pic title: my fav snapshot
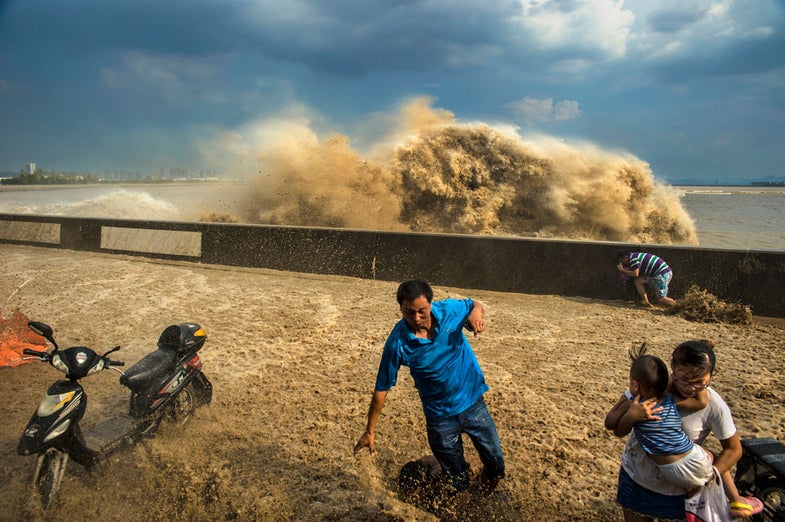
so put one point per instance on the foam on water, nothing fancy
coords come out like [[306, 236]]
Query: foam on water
[[126, 204]]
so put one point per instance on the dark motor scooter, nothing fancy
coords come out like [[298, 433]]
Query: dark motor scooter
[[165, 384], [761, 472]]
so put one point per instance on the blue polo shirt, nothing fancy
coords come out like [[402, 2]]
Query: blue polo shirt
[[445, 369]]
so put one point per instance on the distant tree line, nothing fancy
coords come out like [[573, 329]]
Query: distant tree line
[[42, 177]]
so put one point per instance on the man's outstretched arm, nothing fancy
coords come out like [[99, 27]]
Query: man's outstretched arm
[[375, 410]]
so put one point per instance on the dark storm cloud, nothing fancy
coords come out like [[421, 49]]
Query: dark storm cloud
[[86, 83], [671, 21], [176, 26], [342, 38]]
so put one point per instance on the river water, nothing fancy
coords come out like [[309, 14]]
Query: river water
[[724, 217]]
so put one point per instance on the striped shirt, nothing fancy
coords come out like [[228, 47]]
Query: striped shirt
[[648, 265], [665, 436]]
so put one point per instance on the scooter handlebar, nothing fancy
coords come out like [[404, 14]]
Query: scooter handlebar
[[36, 353], [110, 362]]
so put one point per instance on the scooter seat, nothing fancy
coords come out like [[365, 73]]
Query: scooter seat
[[151, 366], [768, 451]]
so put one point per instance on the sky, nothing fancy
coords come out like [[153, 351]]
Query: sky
[[694, 88]]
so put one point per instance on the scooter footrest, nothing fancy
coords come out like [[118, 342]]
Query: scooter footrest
[[110, 433]]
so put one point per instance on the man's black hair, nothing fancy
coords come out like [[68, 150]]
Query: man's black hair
[[411, 290]]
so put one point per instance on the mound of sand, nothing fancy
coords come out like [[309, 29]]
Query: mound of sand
[[701, 305], [293, 359]]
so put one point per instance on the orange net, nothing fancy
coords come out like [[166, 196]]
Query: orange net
[[15, 336]]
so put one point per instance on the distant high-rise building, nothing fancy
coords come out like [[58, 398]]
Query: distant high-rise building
[[31, 168]]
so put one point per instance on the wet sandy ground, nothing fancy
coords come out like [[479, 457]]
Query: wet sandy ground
[[293, 359]]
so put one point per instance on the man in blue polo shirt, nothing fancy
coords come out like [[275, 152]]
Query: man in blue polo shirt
[[647, 270], [430, 341]]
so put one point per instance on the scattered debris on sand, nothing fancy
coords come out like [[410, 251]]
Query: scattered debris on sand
[[701, 306]]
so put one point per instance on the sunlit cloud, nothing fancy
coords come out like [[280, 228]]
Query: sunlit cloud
[[599, 28]]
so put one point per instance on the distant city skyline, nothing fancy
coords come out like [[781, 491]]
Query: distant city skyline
[[695, 89], [110, 173], [179, 172]]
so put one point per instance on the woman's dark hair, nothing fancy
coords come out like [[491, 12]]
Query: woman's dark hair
[[650, 371], [411, 290], [697, 354]]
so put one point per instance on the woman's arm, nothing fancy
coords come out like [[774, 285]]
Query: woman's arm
[[698, 402], [730, 454]]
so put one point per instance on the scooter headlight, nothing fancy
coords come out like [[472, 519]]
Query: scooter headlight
[[57, 431], [57, 362], [97, 368]]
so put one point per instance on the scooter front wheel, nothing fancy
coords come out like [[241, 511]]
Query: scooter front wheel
[[772, 493], [49, 473]]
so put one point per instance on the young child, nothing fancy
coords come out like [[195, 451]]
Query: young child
[[681, 461]]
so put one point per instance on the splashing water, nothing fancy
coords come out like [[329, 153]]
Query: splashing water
[[325, 184], [128, 204], [433, 174], [426, 173]]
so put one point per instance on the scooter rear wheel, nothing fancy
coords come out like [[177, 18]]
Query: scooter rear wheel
[[183, 406], [49, 474]]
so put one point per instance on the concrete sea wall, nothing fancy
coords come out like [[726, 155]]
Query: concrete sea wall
[[535, 266]]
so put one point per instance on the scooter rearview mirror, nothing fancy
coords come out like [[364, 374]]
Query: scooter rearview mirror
[[42, 329]]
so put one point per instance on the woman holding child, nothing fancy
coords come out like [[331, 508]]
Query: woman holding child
[[643, 492]]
